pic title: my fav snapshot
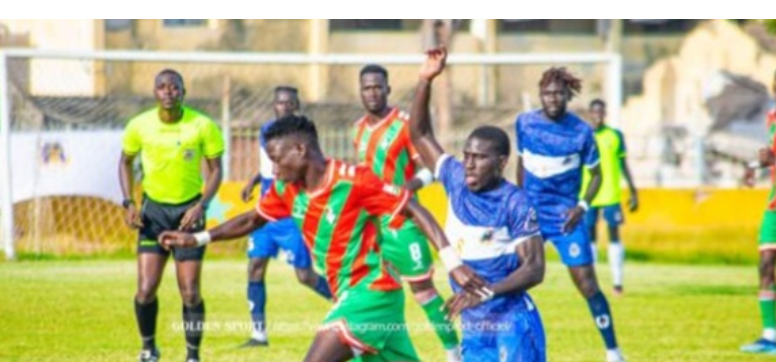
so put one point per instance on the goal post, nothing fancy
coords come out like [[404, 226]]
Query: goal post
[[56, 106]]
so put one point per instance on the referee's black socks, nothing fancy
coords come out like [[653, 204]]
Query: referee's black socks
[[146, 322], [194, 323]]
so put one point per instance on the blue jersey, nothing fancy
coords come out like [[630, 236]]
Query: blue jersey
[[265, 164], [485, 228], [553, 154]]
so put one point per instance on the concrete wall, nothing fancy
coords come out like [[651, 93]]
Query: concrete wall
[[674, 89], [58, 77], [504, 85]]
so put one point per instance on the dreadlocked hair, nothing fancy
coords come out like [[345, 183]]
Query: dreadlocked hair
[[564, 77]]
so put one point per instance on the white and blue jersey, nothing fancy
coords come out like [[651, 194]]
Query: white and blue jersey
[[265, 164], [553, 154], [485, 228], [284, 234]]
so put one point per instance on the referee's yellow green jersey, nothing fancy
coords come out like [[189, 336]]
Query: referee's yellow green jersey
[[611, 148], [171, 153]]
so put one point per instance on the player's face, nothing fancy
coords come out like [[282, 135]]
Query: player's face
[[597, 115], [169, 91], [554, 98], [288, 158], [285, 104], [482, 165], [374, 92]]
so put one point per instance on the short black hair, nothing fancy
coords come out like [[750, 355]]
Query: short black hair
[[495, 135], [293, 91], [287, 89], [374, 69], [171, 72], [599, 102], [292, 125]]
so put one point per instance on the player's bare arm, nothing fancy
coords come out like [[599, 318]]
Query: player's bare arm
[[421, 132], [528, 275], [247, 191], [531, 270], [519, 171], [421, 179], [234, 228], [462, 274], [765, 158], [132, 215], [574, 215], [212, 183], [633, 202]]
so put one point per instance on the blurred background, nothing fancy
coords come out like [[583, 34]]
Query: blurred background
[[689, 95]]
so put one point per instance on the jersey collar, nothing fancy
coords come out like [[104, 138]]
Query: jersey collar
[[391, 115]]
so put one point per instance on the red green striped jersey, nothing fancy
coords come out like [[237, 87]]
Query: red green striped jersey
[[338, 223], [386, 147], [771, 123]]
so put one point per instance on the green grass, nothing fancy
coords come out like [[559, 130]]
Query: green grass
[[81, 310]]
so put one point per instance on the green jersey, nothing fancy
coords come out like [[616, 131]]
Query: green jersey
[[338, 223], [386, 147]]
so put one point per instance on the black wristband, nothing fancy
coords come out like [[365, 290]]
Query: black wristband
[[127, 203]]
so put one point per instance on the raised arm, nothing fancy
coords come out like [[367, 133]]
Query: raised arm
[[421, 132]]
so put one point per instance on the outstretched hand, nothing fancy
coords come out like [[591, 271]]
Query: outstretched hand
[[172, 239], [434, 64]]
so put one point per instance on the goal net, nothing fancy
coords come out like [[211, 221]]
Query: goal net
[[62, 115]]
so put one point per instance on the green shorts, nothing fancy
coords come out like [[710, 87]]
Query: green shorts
[[406, 249], [768, 231], [372, 323]]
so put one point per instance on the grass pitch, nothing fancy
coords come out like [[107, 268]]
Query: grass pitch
[[81, 310]]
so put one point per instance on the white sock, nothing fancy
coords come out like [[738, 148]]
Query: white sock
[[614, 355], [259, 335], [616, 260], [769, 334]]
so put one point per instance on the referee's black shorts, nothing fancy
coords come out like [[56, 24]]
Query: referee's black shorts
[[158, 217]]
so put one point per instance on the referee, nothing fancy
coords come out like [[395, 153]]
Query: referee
[[171, 139]]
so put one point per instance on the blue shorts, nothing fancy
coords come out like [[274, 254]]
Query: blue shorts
[[284, 234], [513, 335], [612, 214], [574, 247]]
